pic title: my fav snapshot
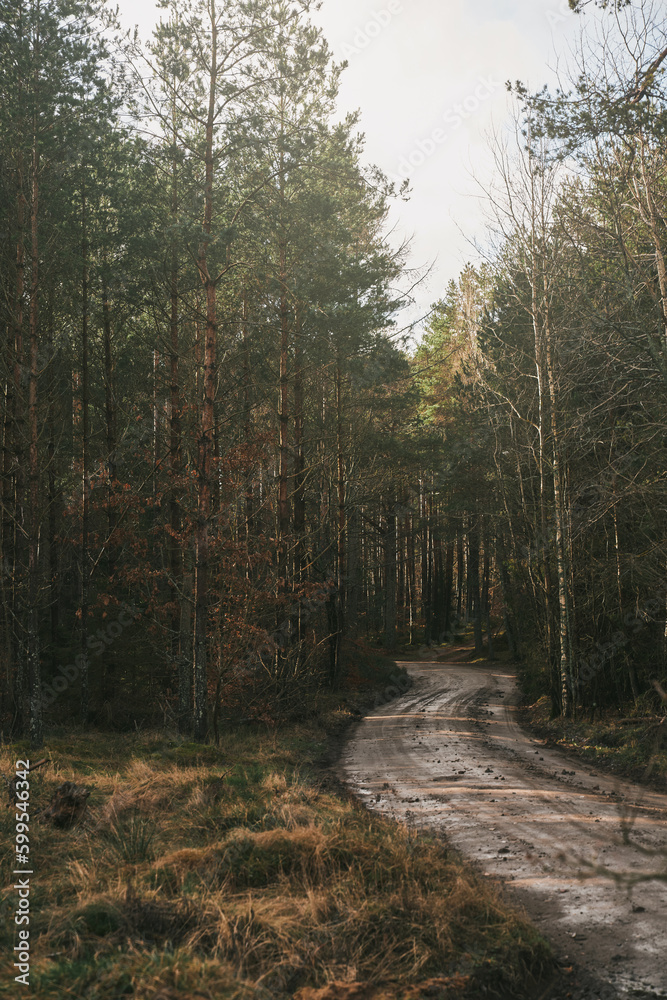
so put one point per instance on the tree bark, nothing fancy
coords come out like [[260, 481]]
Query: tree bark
[[449, 588], [85, 472], [460, 577], [299, 458], [205, 449], [110, 427], [425, 563], [473, 584], [247, 421], [14, 668], [340, 488], [33, 648], [175, 467], [561, 535], [354, 581], [390, 577], [15, 456], [283, 414], [486, 592], [53, 500]]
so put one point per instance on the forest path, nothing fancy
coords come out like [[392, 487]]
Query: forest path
[[449, 754]]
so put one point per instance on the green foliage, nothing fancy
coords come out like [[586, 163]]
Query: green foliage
[[278, 216]]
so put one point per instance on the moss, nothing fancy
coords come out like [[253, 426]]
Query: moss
[[100, 918]]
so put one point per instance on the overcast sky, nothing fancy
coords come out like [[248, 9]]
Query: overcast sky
[[429, 77]]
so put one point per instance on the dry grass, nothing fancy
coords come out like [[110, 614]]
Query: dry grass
[[256, 882]]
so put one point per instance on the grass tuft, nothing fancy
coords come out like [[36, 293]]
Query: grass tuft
[[131, 837], [235, 874]]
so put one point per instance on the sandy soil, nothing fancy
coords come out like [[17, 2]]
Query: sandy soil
[[449, 754]]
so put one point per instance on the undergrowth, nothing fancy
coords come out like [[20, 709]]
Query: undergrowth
[[236, 871], [633, 746]]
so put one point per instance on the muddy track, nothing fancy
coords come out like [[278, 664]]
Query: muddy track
[[449, 754]]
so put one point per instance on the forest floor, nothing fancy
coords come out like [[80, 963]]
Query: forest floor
[[584, 852], [631, 747], [246, 871]]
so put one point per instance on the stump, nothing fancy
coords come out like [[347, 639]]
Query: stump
[[67, 805]]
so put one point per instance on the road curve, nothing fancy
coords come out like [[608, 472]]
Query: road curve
[[449, 754]]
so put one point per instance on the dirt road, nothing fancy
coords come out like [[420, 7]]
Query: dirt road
[[449, 754]]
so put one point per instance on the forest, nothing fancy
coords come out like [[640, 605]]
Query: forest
[[226, 471]]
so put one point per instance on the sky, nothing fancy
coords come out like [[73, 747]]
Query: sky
[[429, 79]]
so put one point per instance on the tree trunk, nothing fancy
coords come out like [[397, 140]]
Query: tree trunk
[[354, 581], [283, 409], [247, 423], [561, 538], [438, 580], [178, 657], [110, 427], [412, 579], [425, 564], [156, 432], [340, 488], [390, 578], [509, 613], [460, 577], [14, 458], [449, 589], [486, 593], [473, 584], [53, 500], [85, 472], [299, 459], [205, 449], [33, 650]]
